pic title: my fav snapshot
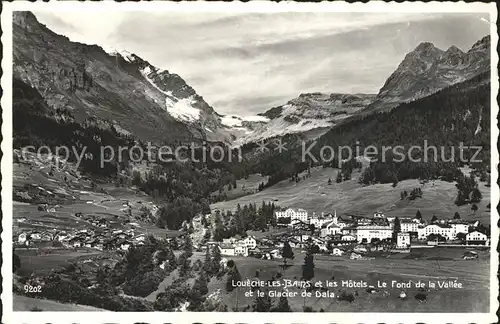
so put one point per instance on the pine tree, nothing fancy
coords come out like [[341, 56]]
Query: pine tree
[[215, 260], [434, 219], [262, 304], [207, 263], [233, 276], [308, 267], [456, 216], [286, 253], [476, 195], [188, 245], [329, 181], [339, 177], [474, 208], [218, 227], [394, 180], [397, 229], [282, 305], [418, 215]]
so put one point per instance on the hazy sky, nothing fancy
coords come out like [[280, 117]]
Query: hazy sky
[[247, 63]]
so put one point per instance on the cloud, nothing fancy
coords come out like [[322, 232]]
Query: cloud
[[246, 63]]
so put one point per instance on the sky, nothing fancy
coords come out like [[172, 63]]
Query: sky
[[246, 63]]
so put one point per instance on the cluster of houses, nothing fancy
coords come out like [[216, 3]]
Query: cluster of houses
[[248, 246], [379, 228], [108, 239], [332, 233]]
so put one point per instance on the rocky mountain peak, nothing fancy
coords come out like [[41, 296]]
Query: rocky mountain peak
[[426, 47], [24, 19], [428, 69], [454, 50], [482, 44]]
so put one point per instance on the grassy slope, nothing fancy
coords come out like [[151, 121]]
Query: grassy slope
[[315, 195], [244, 186], [76, 197]]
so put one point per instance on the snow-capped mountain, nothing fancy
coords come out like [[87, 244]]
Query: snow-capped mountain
[[428, 69], [121, 87], [310, 114]]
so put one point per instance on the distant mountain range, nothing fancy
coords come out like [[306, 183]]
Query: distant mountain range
[[422, 72], [310, 114], [158, 105]]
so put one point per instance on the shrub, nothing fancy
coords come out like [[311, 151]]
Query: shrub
[[346, 296], [421, 297], [143, 284]]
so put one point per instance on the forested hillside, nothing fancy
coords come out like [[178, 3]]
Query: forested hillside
[[457, 114], [184, 188]]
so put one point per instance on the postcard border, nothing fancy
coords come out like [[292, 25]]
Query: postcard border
[[162, 317]]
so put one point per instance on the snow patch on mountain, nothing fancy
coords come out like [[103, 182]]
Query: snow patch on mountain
[[236, 121], [145, 73], [127, 56], [180, 109], [231, 121], [478, 128], [310, 112], [183, 110]]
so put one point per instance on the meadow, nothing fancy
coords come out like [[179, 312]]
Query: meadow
[[349, 197]]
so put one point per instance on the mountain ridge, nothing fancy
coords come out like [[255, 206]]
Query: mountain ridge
[[309, 114], [122, 88], [428, 69]]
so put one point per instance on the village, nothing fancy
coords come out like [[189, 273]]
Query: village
[[326, 233], [101, 233], [337, 235]]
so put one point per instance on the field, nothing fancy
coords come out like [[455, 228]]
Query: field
[[244, 186], [42, 262], [473, 297], [315, 195], [23, 304]]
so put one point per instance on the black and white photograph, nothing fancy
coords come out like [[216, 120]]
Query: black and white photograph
[[302, 158]]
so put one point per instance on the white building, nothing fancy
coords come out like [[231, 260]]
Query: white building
[[408, 226], [330, 228], [302, 237], [443, 230], [476, 238], [140, 238], [22, 238], [125, 246], [378, 214], [250, 242], [233, 250], [348, 238], [291, 213], [337, 252], [241, 250], [403, 240], [226, 249], [460, 227], [318, 221], [402, 219], [370, 232]]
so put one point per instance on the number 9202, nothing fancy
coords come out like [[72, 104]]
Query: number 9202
[[32, 289]]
